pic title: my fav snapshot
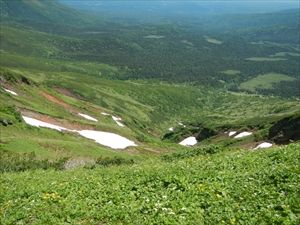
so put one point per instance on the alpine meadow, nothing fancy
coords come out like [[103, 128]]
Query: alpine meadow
[[149, 112]]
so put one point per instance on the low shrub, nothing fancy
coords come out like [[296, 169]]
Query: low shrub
[[107, 161], [211, 149], [19, 162]]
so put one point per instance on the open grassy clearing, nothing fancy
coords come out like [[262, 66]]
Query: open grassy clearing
[[231, 187], [264, 81], [154, 36], [187, 42], [212, 40], [261, 59], [231, 72], [280, 54]]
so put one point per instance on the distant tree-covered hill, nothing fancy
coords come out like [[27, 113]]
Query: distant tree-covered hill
[[172, 50], [275, 33], [41, 11], [242, 21]]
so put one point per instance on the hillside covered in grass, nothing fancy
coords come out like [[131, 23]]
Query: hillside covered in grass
[[229, 187], [207, 106]]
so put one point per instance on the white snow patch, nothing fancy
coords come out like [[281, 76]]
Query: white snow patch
[[117, 120], [104, 138], [232, 133], [188, 141], [171, 129], [243, 134], [12, 92], [108, 139], [263, 145], [120, 124], [181, 124], [105, 114], [88, 117], [38, 123]]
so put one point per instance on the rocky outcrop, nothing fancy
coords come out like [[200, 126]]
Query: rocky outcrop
[[6, 122], [286, 130]]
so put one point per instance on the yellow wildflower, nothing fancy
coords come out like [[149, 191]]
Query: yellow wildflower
[[233, 221], [223, 221], [200, 185], [60, 201], [219, 196]]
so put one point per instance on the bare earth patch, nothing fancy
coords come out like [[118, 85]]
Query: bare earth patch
[[58, 101], [66, 92]]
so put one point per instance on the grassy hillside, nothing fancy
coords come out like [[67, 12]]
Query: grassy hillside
[[229, 187], [147, 110], [170, 74], [163, 81], [201, 59], [43, 12]]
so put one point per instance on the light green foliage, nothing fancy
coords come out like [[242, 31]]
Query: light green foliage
[[260, 59], [238, 187], [286, 53], [264, 81], [231, 72], [142, 106]]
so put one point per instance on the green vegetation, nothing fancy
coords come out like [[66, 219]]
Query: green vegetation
[[177, 50], [183, 73], [214, 41], [264, 59], [231, 72], [231, 187], [16, 162], [287, 53], [264, 81]]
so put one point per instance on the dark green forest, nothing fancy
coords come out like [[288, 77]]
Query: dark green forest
[[176, 51]]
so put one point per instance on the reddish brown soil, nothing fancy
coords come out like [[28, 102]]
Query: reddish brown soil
[[58, 101], [66, 92]]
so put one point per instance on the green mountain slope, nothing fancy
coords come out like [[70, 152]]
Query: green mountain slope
[[167, 73], [41, 11], [201, 58], [154, 84], [278, 34], [230, 187]]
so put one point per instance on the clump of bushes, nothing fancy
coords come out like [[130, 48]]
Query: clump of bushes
[[107, 161], [211, 149], [19, 162]]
